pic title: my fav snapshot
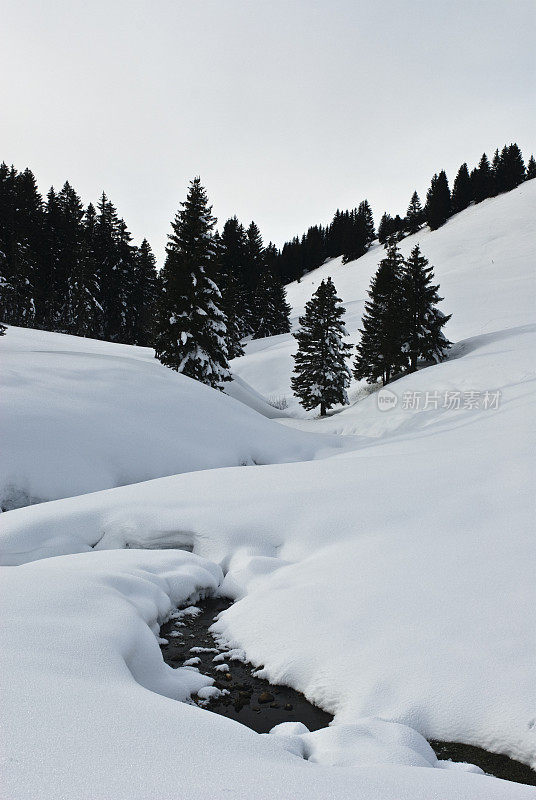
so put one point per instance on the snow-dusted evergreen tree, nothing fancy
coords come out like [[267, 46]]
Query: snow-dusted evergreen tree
[[321, 375], [380, 352], [272, 309], [191, 326], [531, 169], [414, 214], [422, 321], [20, 228]]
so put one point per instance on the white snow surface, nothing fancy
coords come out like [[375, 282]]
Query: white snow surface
[[392, 580], [78, 415], [89, 709]]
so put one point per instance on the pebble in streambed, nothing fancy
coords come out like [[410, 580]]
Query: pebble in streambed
[[251, 700]]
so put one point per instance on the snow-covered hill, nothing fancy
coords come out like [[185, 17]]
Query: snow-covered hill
[[391, 580], [484, 261], [79, 415]]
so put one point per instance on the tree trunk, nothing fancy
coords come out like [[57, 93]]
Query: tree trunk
[[322, 409]]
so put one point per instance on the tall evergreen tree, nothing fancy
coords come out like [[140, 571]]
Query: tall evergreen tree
[[511, 168], [191, 327], [531, 169], [144, 297], [414, 214], [438, 204], [482, 180], [253, 272], [321, 375], [462, 190], [82, 310], [421, 321], [273, 311], [365, 213], [380, 352], [384, 228], [68, 275], [235, 297]]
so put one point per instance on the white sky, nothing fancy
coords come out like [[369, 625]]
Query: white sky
[[287, 109]]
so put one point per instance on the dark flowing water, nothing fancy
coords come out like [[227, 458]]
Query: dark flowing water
[[260, 705]]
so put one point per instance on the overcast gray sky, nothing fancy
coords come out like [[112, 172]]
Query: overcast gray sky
[[287, 109]]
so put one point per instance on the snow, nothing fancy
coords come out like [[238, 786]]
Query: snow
[[390, 579], [95, 714], [79, 415], [482, 259]]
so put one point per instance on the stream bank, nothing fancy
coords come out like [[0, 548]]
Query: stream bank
[[260, 705]]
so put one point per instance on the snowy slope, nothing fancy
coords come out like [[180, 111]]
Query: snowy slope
[[391, 580], [395, 580], [484, 262], [78, 415], [95, 716]]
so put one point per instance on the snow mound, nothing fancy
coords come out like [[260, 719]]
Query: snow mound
[[79, 415]]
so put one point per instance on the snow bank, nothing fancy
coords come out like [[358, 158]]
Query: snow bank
[[78, 415], [395, 580], [87, 702]]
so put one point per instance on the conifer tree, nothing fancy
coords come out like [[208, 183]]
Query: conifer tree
[[232, 269], [421, 320], [273, 311], [82, 310], [511, 169], [384, 228], [531, 169], [355, 234], [365, 213], [191, 326], [414, 214], [438, 205], [462, 191], [321, 375], [144, 297], [69, 269], [482, 180], [380, 352]]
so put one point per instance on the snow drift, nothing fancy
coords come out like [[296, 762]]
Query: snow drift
[[79, 415]]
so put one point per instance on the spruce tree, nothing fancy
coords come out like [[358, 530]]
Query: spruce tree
[[384, 228], [414, 214], [421, 320], [144, 297], [365, 213], [462, 190], [232, 261], [512, 168], [191, 327], [253, 271], [438, 204], [321, 375], [273, 311], [482, 180], [82, 310], [531, 169], [380, 352]]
